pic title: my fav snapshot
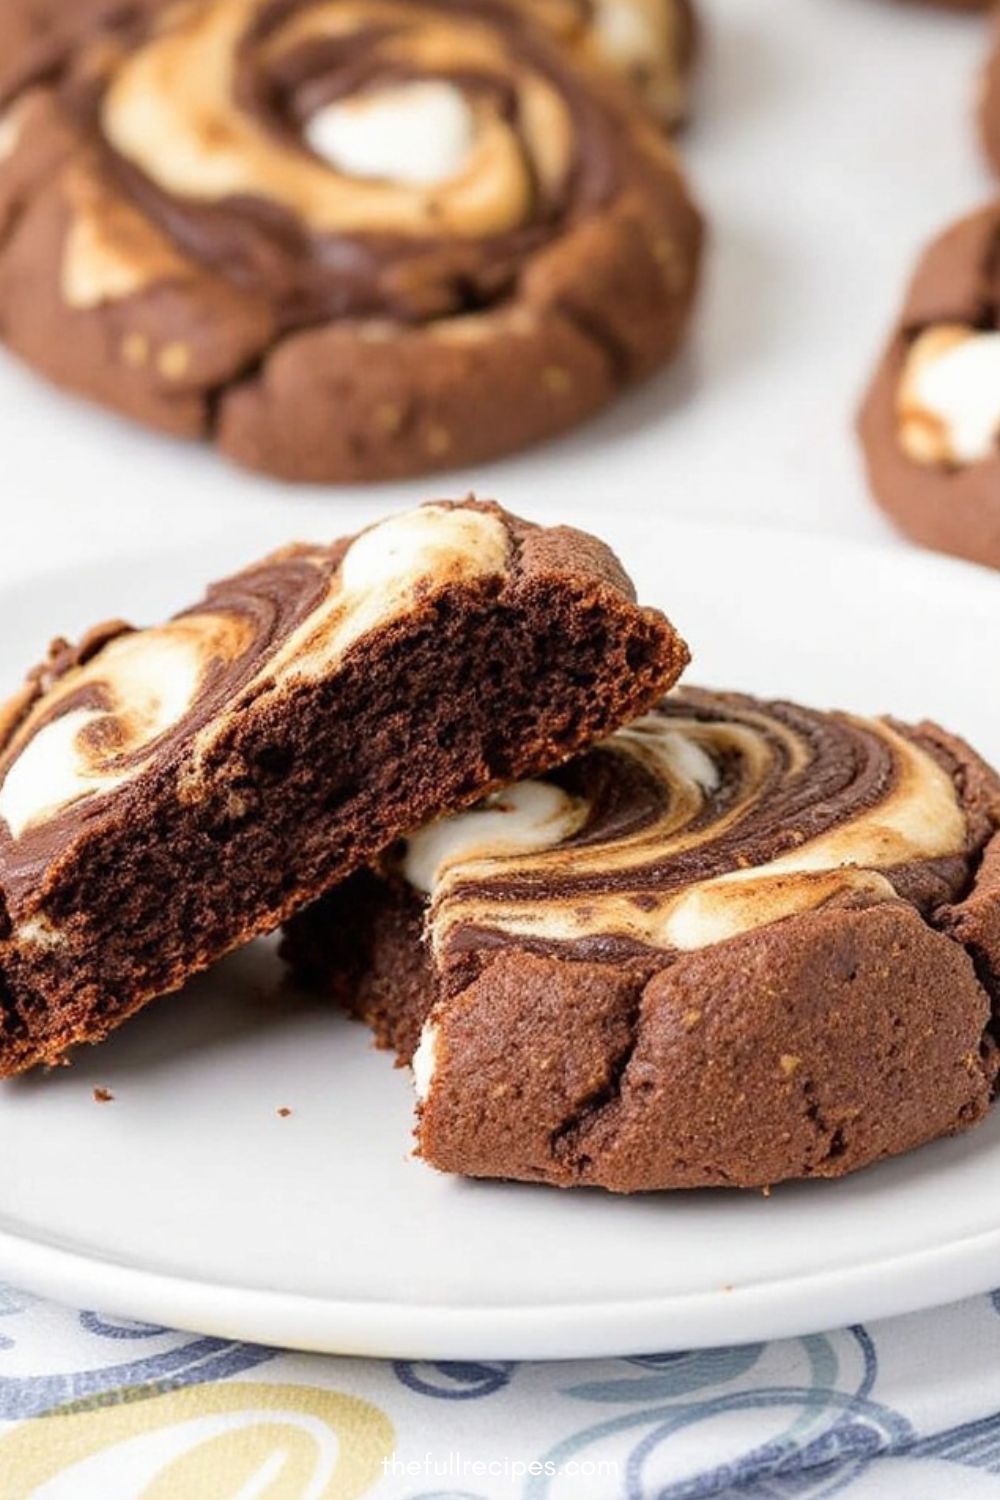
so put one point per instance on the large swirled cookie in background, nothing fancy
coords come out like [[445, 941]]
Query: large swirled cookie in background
[[736, 943], [166, 794], [930, 423], [347, 240], [648, 43]]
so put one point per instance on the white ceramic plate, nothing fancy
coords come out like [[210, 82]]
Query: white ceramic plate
[[189, 1201]]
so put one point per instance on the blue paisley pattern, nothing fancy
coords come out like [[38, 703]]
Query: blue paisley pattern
[[160, 1360], [904, 1409], [452, 1381]]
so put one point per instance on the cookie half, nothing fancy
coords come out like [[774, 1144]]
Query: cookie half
[[930, 423], [346, 241], [737, 942], [166, 794]]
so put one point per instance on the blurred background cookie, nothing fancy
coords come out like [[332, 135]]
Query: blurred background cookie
[[650, 43], [931, 420], [347, 241]]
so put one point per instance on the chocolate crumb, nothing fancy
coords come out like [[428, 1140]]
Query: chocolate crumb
[[284, 1112], [103, 1096]]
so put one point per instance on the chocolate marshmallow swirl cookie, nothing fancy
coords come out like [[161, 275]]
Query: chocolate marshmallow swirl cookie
[[167, 793], [735, 943], [347, 239], [33, 33], [930, 424]]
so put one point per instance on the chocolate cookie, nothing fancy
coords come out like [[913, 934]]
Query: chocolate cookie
[[930, 424], [735, 943], [346, 240], [165, 794]]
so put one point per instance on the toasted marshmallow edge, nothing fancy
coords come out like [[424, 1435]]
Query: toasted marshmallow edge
[[523, 819], [416, 134], [425, 1061], [949, 396], [386, 571], [154, 678]]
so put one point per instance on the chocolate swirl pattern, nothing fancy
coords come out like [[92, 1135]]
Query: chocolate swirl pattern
[[168, 794], [691, 826], [334, 233], [737, 942]]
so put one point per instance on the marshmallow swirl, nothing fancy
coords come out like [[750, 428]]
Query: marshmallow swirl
[[165, 695], [711, 816]]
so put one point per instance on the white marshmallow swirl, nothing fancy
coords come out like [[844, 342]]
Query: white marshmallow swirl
[[949, 396], [417, 133]]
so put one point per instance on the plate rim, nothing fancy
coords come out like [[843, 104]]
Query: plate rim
[[762, 1310]]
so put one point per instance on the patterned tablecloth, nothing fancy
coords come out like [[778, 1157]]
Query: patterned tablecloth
[[96, 1408]]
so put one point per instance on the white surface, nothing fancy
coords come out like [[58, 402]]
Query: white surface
[[189, 1201], [832, 137]]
